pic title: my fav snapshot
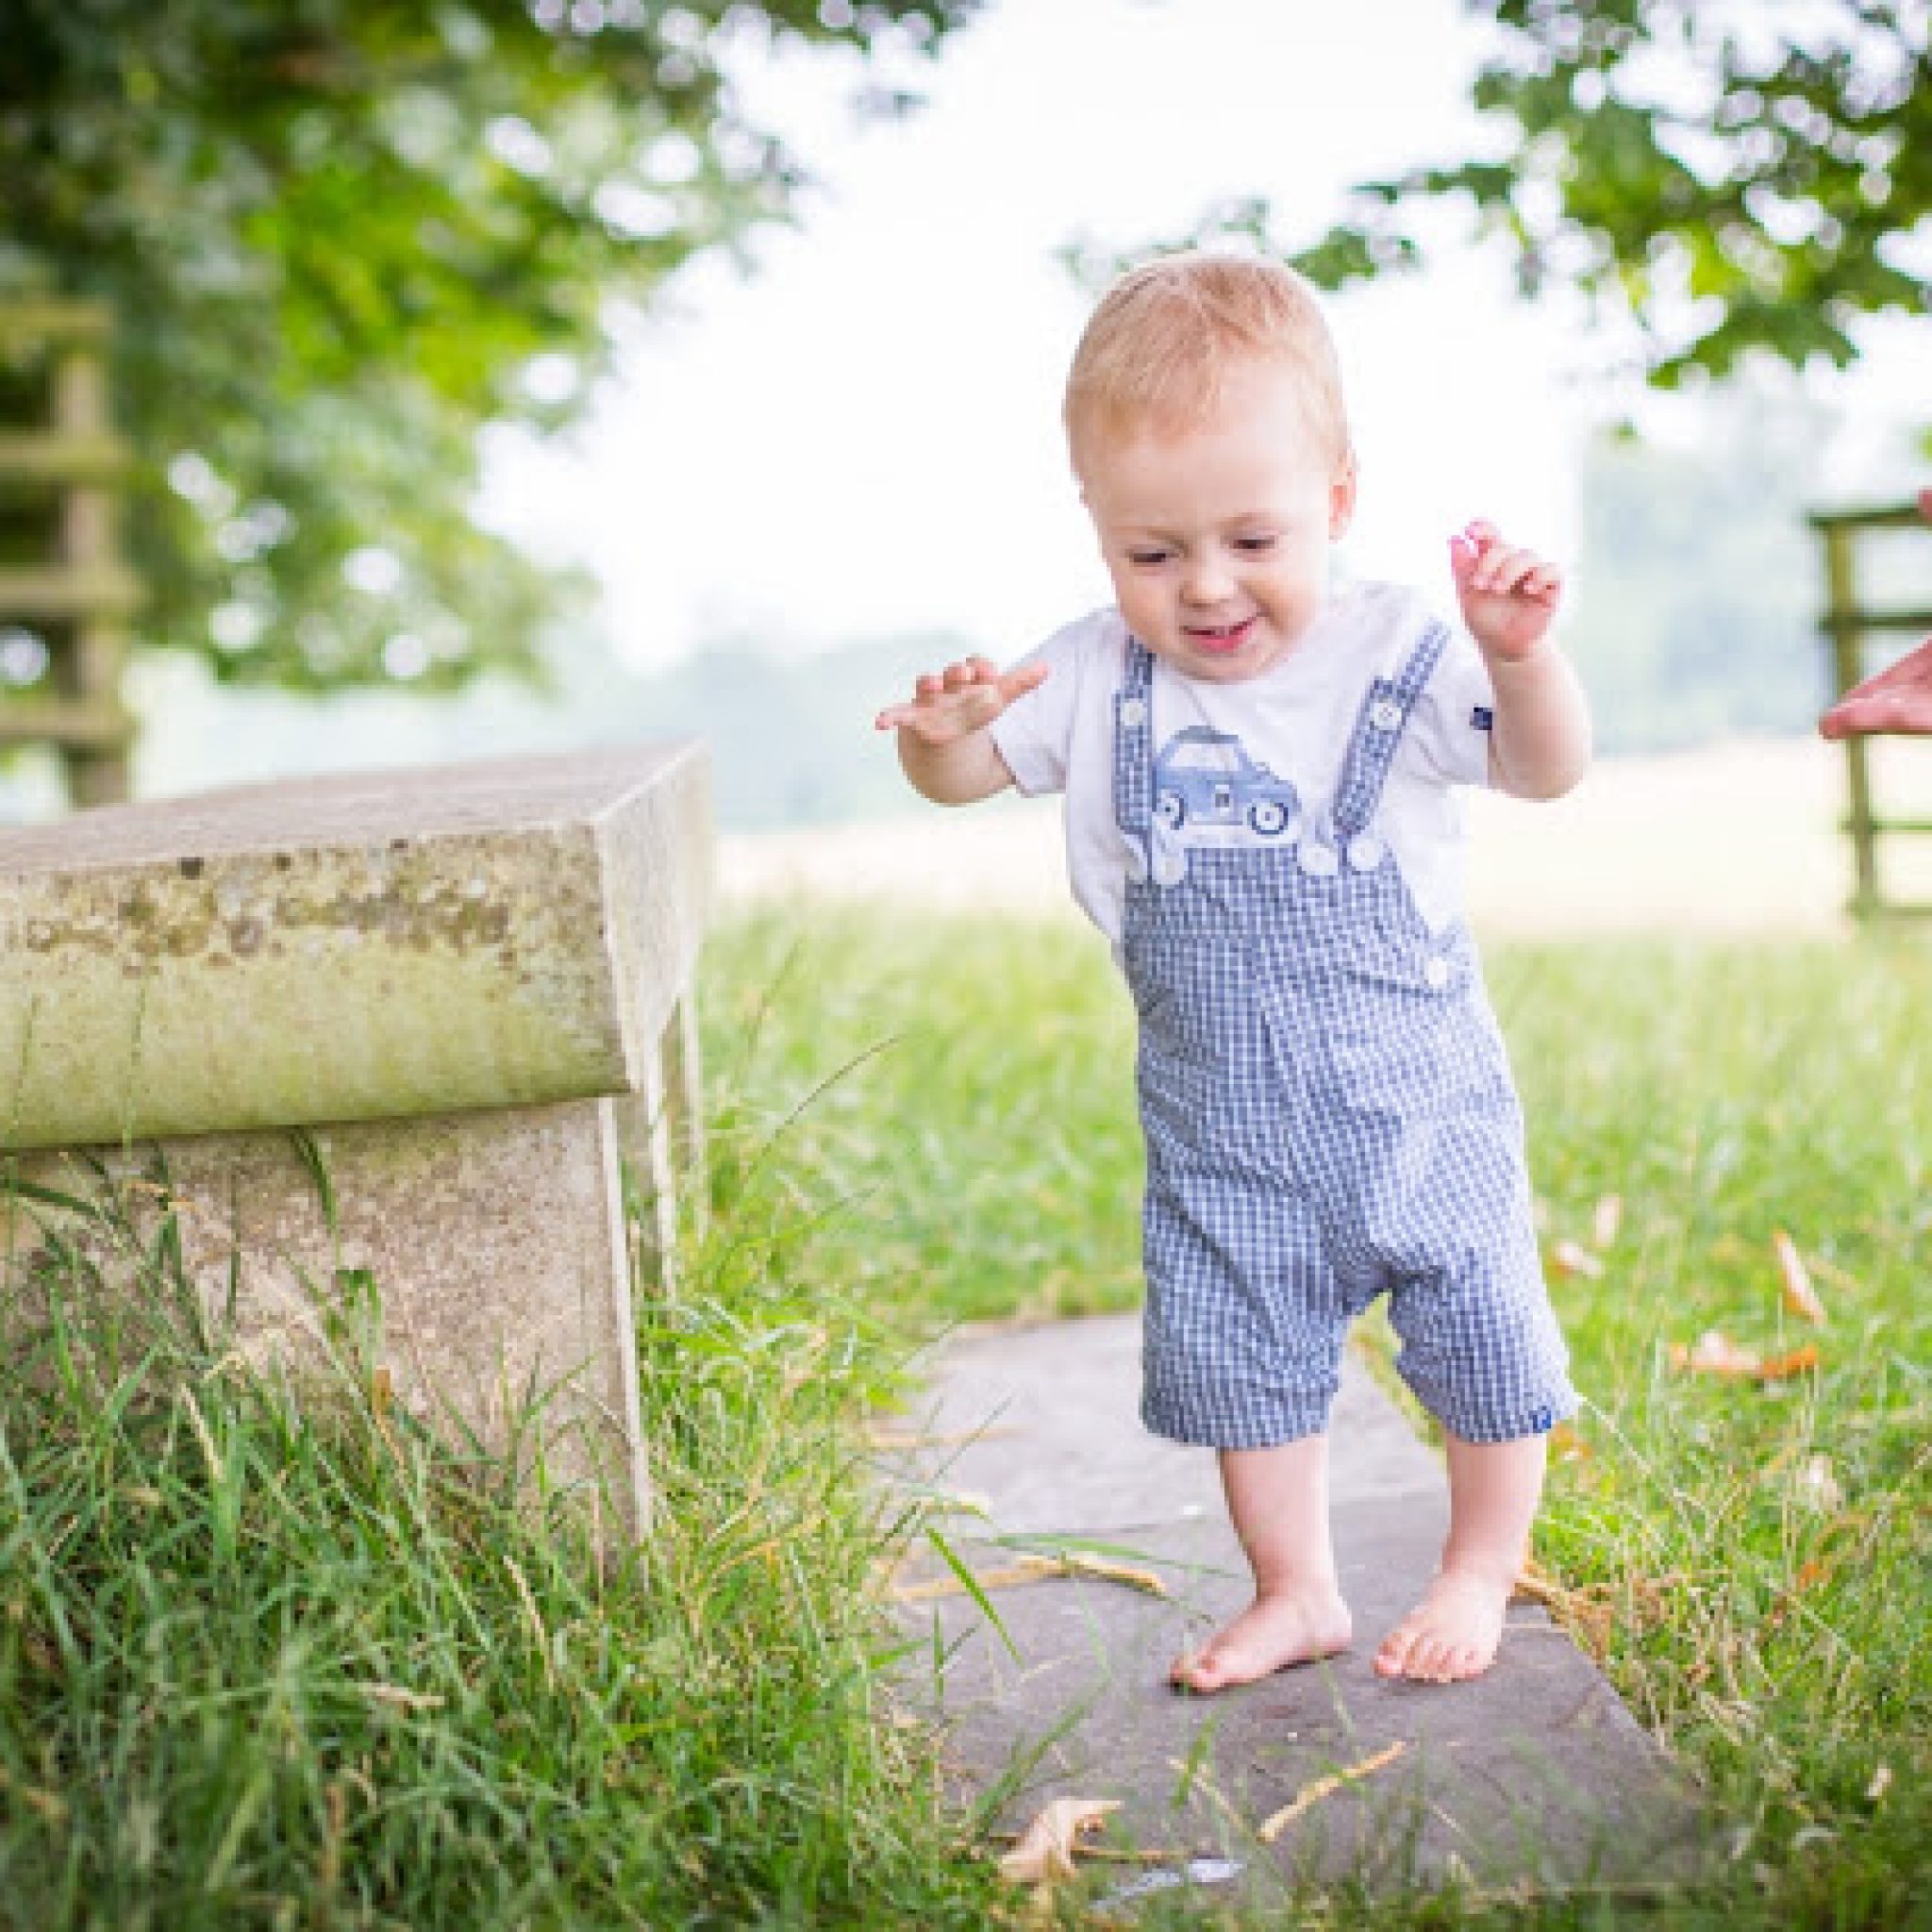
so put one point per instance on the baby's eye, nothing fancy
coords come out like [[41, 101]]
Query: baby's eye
[[1147, 559], [1253, 546]]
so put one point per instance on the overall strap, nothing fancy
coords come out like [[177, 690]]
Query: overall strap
[[1378, 730], [1133, 743]]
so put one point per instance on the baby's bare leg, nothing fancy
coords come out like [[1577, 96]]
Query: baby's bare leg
[[1494, 1490], [1279, 1499]]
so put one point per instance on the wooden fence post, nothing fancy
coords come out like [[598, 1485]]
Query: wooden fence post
[[78, 598], [1845, 625]]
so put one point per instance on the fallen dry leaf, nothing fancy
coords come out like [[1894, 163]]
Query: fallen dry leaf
[[1801, 1298], [1568, 1445], [1715, 1353], [1881, 1783], [1817, 1484], [1573, 1257], [1812, 1572], [1107, 1854], [1608, 1221], [1313, 1794], [1044, 1851]]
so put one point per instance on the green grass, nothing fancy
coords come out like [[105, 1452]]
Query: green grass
[[263, 1671], [1765, 1613], [256, 1673]]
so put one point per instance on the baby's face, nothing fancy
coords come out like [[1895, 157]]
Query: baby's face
[[1217, 535]]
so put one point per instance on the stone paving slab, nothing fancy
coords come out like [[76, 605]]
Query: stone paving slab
[[1536, 1773]]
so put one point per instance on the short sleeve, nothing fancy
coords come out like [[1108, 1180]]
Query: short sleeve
[[1035, 734], [1451, 721]]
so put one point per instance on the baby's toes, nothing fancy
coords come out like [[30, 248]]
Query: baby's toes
[[1429, 1659], [1392, 1658]]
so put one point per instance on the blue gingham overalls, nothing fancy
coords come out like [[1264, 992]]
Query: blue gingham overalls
[[1327, 1111]]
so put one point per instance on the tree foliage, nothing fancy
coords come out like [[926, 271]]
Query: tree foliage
[[340, 237], [1733, 175]]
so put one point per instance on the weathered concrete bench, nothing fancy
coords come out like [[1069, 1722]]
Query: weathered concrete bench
[[468, 987]]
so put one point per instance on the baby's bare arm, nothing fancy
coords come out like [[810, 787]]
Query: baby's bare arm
[[1541, 742], [945, 740]]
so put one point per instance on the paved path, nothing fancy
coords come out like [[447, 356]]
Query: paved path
[[1536, 1774]]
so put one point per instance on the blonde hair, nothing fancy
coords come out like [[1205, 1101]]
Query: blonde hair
[[1156, 352]]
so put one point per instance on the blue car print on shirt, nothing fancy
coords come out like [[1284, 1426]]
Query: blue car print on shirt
[[1204, 777]]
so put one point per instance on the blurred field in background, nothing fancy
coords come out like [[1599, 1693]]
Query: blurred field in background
[[1738, 839]]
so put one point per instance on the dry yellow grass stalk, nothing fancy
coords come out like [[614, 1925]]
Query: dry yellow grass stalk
[[1310, 1796], [883, 1437], [1035, 1569]]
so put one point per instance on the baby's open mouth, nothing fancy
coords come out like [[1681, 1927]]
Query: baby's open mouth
[[1219, 637]]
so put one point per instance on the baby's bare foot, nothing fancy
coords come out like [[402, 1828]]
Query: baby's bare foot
[[1274, 1632], [1452, 1633]]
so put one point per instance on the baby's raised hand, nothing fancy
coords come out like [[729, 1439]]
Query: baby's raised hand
[[1508, 596], [963, 698]]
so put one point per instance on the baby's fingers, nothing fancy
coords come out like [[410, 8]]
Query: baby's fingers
[[1545, 583], [1502, 569], [969, 671], [1016, 684], [967, 694]]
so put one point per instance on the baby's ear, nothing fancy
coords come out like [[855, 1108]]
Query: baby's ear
[[1342, 498]]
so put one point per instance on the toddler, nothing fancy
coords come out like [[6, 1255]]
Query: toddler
[[1259, 770]]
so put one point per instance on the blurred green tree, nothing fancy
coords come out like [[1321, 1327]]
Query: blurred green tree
[[341, 237], [1732, 175]]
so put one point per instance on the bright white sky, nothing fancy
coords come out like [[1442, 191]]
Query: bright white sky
[[863, 436]]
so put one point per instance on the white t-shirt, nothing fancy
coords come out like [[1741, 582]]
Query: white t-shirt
[[1292, 722]]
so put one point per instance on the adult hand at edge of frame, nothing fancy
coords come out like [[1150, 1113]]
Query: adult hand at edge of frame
[[1898, 700]]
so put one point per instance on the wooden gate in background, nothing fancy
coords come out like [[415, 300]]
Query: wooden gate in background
[[1845, 625], [62, 581]]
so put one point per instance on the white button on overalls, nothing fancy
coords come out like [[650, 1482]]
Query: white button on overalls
[[1170, 868], [1365, 851], [1436, 972], [1318, 860], [1385, 714], [1133, 713]]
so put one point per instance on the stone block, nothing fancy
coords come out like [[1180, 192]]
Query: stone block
[[368, 946], [496, 1242], [460, 994]]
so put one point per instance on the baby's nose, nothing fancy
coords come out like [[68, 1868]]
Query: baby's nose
[[1208, 581]]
